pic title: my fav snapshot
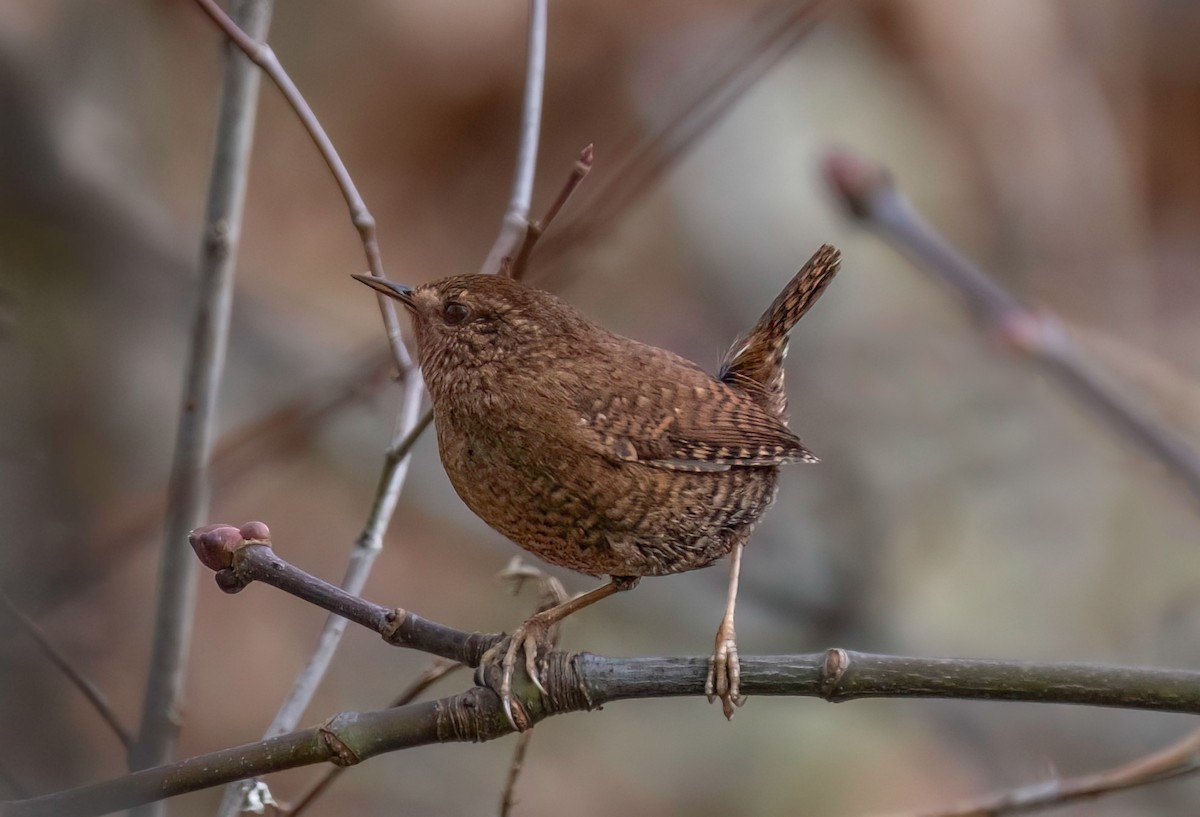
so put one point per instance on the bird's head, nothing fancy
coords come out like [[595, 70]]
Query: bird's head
[[471, 323]]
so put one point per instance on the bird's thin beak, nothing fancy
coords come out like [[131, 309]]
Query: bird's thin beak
[[400, 292]]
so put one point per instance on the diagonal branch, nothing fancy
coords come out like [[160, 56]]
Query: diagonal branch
[[551, 593], [516, 218], [241, 556], [270, 436], [869, 195], [188, 491], [644, 159], [96, 698], [409, 423], [515, 267], [1179, 759], [439, 669], [261, 54], [366, 548]]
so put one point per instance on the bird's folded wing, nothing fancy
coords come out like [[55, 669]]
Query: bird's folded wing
[[717, 430]]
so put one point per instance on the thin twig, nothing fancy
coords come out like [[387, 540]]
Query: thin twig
[[411, 422], [240, 452], [437, 670], [261, 440], [867, 191], [261, 54], [550, 594], [516, 218], [1178, 759], [643, 159], [189, 485], [96, 698], [507, 800], [366, 548], [395, 468], [583, 165]]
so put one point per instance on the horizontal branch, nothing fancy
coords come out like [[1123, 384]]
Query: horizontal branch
[[244, 555], [839, 675], [868, 193], [579, 682]]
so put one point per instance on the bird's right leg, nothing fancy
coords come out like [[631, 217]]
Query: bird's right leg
[[534, 634], [724, 668]]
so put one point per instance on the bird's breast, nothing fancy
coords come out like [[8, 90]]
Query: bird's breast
[[576, 508]]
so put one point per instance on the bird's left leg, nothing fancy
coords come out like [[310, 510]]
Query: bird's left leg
[[534, 633], [724, 670]]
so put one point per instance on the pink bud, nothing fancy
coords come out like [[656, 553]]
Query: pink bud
[[256, 532], [216, 544]]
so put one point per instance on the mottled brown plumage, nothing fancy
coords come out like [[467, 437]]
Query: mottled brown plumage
[[600, 453]]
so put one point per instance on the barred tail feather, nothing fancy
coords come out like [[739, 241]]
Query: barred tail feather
[[755, 361]]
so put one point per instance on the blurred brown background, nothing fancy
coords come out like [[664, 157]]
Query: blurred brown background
[[962, 508]]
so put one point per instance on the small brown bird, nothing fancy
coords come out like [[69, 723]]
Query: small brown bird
[[600, 453]]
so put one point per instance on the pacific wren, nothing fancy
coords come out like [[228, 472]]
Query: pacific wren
[[600, 453]]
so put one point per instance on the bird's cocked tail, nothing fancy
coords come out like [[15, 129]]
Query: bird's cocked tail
[[755, 361]]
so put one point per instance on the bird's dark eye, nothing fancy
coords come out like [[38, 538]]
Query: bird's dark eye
[[455, 313]]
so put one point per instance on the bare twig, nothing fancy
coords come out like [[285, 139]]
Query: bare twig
[[869, 195], [366, 548], [643, 159], [96, 698], [507, 800], [261, 440], [243, 556], [189, 487], [549, 589], [576, 682], [261, 54], [1178, 759], [583, 682], [583, 165], [516, 218], [437, 670], [289, 425], [550, 594], [395, 467]]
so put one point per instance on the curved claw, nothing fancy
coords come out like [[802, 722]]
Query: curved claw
[[725, 673], [532, 647], [527, 639]]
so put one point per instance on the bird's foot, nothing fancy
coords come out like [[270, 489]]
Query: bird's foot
[[725, 671], [530, 638]]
